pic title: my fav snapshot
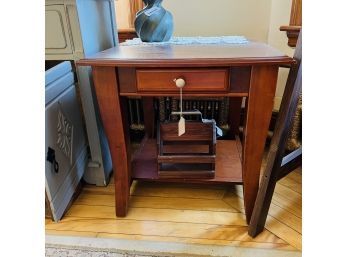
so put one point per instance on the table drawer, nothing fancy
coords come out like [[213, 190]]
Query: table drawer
[[197, 80]]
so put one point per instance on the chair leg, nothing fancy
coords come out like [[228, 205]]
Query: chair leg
[[290, 163], [262, 203], [265, 194]]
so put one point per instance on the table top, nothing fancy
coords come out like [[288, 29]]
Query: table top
[[188, 55]]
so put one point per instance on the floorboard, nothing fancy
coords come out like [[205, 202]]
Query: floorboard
[[173, 212]]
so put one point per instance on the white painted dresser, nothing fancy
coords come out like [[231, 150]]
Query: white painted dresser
[[76, 29], [65, 139]]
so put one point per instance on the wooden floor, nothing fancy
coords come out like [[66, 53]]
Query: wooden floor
[[208, 214]]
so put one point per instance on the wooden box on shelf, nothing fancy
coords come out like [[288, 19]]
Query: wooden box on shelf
[[191, 155]]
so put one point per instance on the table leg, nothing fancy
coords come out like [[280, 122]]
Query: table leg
[[114, 116], [259, 110]]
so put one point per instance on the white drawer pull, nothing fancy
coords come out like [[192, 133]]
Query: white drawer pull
[[180, 82]]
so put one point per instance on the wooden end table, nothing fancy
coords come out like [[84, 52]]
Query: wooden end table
[[234, 71]]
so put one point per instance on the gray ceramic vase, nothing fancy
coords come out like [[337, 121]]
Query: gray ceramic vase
[[154, 23]]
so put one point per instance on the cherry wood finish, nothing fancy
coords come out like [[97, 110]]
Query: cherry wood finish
[[196, 164], [296, 13], [249, 54], [295, 24], [228, 165], [199, 147], [292, 34], [239, 83], [236, 81], [186, 159], [206, 80], [127, 80], [240, 79], [149, 116], [188, 174], [252, 72], [124, 34], [113, 113], [235, 106], [187, 95], [195, 131], [260, 104], [278, 166]]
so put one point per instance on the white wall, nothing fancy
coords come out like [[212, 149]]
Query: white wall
[[280, 15], [220, 17], [122, 14]]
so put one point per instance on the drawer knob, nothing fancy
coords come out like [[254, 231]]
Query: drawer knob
[[180, 82]]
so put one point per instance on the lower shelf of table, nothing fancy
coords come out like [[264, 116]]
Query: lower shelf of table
[[228, 167]]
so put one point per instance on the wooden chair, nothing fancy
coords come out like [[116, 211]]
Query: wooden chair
[[277, 165]]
